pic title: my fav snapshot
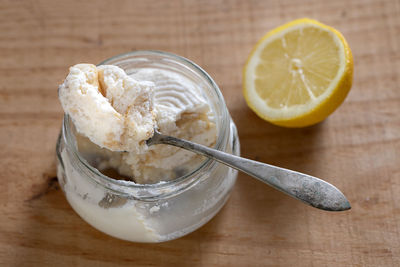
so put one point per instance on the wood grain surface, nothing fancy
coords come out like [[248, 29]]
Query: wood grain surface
[[357, 148]]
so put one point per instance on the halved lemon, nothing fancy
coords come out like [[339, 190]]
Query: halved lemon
[[298, 73]]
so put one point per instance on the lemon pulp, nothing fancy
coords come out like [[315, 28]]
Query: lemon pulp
[[298, 73]]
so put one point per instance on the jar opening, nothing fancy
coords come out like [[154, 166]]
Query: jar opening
[[163, 187]]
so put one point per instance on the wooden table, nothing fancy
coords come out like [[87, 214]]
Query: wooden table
[[357, 148]]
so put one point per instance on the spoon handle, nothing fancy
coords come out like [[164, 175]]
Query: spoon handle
[[309, 189]]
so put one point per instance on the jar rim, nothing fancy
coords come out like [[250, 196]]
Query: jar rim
[[181, 182]]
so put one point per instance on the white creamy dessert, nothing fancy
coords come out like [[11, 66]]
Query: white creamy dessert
[[117, 113], [117, 217], [110, 116], [107, 106]]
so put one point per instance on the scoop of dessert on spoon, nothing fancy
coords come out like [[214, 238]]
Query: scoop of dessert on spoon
[[311, 190]]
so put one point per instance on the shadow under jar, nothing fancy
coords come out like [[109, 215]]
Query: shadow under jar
[[151, 212]]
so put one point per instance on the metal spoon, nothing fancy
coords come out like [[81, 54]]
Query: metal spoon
[[309, 189]]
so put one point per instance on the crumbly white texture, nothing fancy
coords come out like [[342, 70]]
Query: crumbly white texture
[[110, 108], [181, 110], [118, 112]]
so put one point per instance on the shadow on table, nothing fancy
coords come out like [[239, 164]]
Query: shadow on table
[[54, 230], [273, 215]]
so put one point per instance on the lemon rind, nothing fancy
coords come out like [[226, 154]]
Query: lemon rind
[[299, 115]]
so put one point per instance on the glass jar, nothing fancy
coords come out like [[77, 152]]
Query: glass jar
[[151, 212]]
